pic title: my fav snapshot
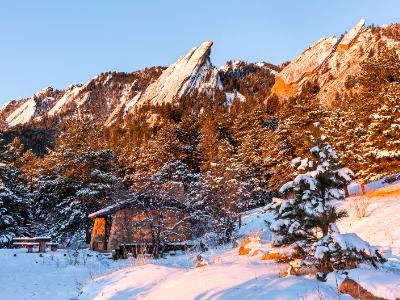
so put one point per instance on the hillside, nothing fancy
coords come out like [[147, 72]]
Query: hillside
[[112, 95]]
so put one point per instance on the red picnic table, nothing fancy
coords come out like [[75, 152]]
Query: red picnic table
[[40, 241]]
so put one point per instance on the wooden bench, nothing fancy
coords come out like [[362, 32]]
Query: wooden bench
[[29, 243], [53, 246], [143, 248]]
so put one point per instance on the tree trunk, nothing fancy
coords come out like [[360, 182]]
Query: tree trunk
[[88, 235]]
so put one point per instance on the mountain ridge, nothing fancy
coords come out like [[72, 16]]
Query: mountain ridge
[[329, 63]]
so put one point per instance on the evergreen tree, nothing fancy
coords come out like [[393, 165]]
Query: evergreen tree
[[14, 196], [306, 219], [75, 179], [229, 193], [370, 118], [290, 137], [170, 205], [251, 133]]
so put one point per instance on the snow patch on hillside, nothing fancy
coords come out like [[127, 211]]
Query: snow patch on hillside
[[230, 96], [380, 225]]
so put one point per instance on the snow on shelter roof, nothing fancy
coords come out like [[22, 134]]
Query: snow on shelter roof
[[109, 210]]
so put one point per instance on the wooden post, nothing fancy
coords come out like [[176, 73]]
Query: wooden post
[[346, 191], [42, 246], [363, 189], [30, 248], [105, 234]]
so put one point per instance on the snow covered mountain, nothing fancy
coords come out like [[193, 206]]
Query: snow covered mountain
[[330, 62]]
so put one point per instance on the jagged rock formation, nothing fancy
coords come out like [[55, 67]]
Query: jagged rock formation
[[98, 97], [290, 79], [21, 112], [330, 61], [111, 95], [191, 72]]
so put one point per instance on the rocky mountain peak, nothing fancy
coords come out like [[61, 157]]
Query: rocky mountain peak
[[191, 71], [295, 73], [329, 62], [351, 36]]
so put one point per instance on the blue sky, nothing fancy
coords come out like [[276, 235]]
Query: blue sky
[[56, 43]]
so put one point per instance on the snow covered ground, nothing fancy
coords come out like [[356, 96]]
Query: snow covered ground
[[54, 275], [380, 226], [60, 275], [227, 276]]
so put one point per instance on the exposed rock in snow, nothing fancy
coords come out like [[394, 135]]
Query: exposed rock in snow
[[266, 66], [231, 65]]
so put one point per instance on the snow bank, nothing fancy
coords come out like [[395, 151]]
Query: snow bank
[[380, 227], [227, 276], [380, 283]]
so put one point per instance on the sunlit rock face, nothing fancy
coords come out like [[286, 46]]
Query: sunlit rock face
[[329, 62], [111, 96], [190, 72], [290, 79], [98, 98]]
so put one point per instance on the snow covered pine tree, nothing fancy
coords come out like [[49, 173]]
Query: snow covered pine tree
[[14, 197], [305, 219]]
